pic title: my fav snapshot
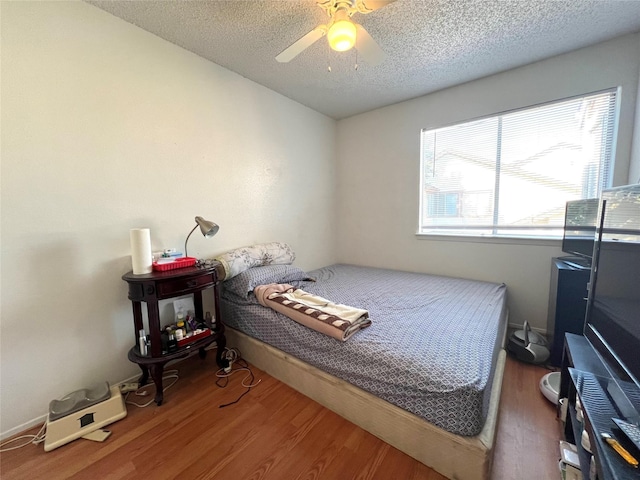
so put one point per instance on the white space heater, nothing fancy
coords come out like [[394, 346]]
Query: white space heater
[[82, 414]]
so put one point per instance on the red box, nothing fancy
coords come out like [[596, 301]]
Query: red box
[[194, 338], [180, 262]]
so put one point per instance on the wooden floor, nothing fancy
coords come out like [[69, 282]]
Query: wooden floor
[[276, 433]]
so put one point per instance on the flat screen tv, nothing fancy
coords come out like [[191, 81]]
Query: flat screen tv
[[612, 323], [580, 221]]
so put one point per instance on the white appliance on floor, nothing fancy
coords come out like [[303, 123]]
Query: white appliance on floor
[[550, 386], [82, 414]]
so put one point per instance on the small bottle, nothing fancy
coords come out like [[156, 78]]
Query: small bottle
[[164, 340], [209, 321], [172, 345], [180, 324], [190, 321], [182, 329], [142, 342]]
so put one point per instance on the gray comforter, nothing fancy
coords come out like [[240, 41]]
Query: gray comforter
[[431, 348]]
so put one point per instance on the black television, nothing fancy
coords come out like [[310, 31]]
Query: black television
[[578, 240], [612, 322]]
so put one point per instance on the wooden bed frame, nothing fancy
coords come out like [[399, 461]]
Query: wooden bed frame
[[454, 456]]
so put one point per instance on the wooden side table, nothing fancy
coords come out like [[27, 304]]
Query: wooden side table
[[155, 286]]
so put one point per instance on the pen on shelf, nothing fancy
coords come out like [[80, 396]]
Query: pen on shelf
[[620, 449]]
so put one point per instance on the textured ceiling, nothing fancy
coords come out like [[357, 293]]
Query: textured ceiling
[[430, 45]]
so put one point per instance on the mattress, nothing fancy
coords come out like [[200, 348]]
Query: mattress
[[431, 349]]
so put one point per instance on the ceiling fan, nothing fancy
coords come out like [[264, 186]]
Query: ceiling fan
[[342, 33]]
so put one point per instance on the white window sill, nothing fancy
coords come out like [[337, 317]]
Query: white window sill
[[502, 239]]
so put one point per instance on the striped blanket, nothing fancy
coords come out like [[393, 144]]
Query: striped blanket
[[335, 320]]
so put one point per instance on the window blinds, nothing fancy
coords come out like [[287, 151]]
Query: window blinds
[[512, 173]]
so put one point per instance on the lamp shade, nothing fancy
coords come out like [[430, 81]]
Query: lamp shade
[[208, 229], [342, 35]]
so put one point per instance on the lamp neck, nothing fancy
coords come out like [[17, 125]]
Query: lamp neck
[[185, 242]]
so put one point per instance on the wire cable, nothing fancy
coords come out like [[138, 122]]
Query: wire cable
[[143, 392], [35, 439], [235, 358]]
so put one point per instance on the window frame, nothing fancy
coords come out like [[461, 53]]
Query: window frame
[[459, 232]]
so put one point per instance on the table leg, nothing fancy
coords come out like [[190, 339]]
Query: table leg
[[137, 319], [145, 375], [157, 371], [222, 344]]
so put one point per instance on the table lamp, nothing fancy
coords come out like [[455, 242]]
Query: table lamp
[[208, 229]]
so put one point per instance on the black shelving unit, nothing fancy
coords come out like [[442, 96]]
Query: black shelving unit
[[584, 376]]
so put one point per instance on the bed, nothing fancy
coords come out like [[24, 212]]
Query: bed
[[425, 376]]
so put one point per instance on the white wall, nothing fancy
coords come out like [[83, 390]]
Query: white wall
[[378, 172], [105, 128]]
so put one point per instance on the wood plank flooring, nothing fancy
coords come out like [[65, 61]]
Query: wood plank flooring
[[276, 433]]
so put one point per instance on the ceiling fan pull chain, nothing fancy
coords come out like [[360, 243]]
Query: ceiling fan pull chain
[[355, 67]]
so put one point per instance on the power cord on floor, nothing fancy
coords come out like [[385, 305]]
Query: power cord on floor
[[234, 357], [230, 355], [143, 390], [33, 439]]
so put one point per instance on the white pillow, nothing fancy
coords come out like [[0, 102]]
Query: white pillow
[[241, 259]]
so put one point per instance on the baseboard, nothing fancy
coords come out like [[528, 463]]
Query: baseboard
[[22, 428]]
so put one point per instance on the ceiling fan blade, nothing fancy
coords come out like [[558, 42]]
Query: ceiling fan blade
[[305, 42], [368, 47], [366, 6]]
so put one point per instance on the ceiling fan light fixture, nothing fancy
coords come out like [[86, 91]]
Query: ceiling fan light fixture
[[341, 32], [342, 35]]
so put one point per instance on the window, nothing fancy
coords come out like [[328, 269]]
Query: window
[[511, 174]]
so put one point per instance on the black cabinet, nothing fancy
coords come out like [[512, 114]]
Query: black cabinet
[[567, 305]]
